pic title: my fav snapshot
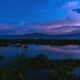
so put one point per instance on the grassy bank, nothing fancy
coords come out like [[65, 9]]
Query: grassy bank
[[18, 68]]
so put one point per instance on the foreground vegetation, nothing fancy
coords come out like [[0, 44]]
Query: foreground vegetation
[[18, 68]]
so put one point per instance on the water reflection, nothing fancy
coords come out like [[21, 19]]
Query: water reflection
[[52, 52], [55, 52], [77, 71]]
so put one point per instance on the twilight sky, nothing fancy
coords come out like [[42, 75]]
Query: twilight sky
[[46, 16]]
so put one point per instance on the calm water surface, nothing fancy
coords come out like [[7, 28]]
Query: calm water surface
[[52, 52], [77, 71]]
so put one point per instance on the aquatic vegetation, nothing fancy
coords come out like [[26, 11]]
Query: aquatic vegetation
[[40, 61], [17, 69], [1, 57], [61, 73]]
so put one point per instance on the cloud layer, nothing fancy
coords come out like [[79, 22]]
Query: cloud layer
[[59, 27]]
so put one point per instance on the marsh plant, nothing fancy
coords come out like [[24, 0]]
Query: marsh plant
[[61, 73], [16, 69]]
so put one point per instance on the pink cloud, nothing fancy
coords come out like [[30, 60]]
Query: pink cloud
[[66, 27], [3, 27], [60, 27], [70, 30]]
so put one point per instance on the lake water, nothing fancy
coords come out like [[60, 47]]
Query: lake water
[[52, 52], [77, 71]]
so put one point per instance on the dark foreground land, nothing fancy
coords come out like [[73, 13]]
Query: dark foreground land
[[61, 42], [38, 68]]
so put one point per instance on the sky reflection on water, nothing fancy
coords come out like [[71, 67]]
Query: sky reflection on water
[[52, 52], [55, 52]]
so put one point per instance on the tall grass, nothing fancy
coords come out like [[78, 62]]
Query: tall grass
[[16, 69]]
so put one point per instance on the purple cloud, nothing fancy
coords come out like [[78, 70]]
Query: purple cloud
[[58, 27], [5, 27], [63, 28]]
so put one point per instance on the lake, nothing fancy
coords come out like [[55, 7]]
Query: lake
[[52, 52]]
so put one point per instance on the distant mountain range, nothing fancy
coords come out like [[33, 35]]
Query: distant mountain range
[[42, 36]]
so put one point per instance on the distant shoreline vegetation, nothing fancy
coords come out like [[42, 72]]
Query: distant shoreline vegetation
[[40, 38], [56, 42]]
